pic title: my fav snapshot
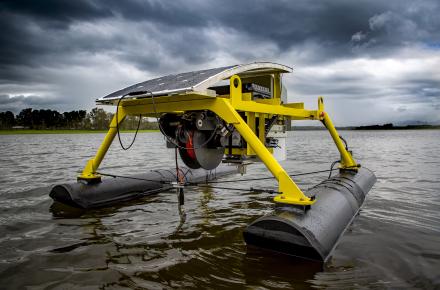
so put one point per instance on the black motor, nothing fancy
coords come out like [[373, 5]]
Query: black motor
[[198, 136]]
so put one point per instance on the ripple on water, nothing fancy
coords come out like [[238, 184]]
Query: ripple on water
[[393, 243]]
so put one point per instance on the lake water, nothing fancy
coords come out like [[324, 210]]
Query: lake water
[[393, 243]]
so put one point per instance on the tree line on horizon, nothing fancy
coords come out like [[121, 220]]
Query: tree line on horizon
[[46, 119]]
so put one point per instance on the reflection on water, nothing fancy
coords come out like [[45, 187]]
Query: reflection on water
[[393, 243]]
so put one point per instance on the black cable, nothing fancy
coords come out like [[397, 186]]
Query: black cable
[[131, 177], [236, 180], [230, 188], [184, 174], [223, 181], [158, 123], [263, 190], [190, 184], [117, 125], [263, 178], [331, 168], [313, 172], [177, 166], [206, 185], [345, 142]]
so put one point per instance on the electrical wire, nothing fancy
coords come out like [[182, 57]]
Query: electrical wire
[[179, 178], [238, 189], [117, 125], [131, 177], [331, 168], [207, 184], [345, 142], [271, 177]]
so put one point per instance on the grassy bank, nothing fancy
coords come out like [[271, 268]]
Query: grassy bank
[[20, 132]]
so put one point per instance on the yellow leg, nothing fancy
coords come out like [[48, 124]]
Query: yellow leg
[[290, 192], [347, 160], [89, 171], [261, 127], [251, 123]]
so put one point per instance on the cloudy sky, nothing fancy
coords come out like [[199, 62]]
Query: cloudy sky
[[374, 61]]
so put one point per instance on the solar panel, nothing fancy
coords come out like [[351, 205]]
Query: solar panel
[[193, 81], [170, 83]]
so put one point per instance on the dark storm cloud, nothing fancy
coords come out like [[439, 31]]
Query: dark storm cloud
[[391, 29], [50, 43], [32, 37], [34, 30], [63, 12], [385, 25], [290, 23], [170, 13], [27, 25]]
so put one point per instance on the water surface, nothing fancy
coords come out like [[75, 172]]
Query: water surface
[[394, 242]]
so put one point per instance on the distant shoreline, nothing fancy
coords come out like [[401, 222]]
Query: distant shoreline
[[73, 131], [385, 127]]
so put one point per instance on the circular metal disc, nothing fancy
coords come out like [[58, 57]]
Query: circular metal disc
[[188, 160], [208, 158]]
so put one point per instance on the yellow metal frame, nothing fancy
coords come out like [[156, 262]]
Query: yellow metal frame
[[227, 108]]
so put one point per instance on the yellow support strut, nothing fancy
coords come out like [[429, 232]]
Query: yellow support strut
[[89, 171], [347, 161]]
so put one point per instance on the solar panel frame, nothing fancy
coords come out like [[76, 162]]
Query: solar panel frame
[[191, 81]]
